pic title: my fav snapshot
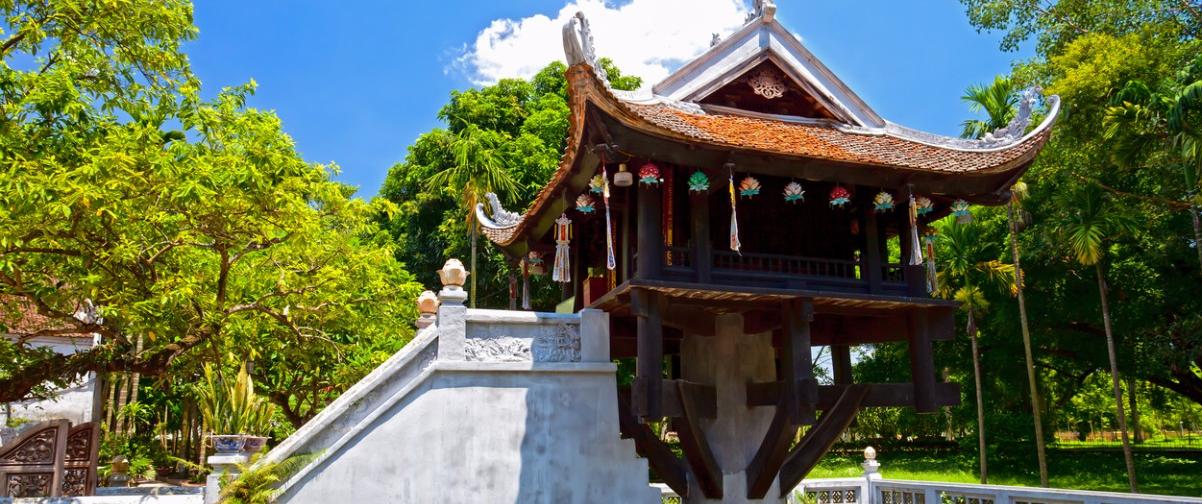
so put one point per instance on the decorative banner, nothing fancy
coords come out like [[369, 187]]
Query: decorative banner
[[610, 262], [961, 211], [734, 220], [794, 193], [698, 182], [562, 271], [584, 204], [915, 250], [749, 187], [537, 266], [932, 275], [925, 206], [883, 202], [839, 196], [649, 174], [596, 185]]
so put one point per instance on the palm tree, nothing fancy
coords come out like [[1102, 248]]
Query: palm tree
[[476, 171], [1141, 117], [999, 103], [1089, 222], [969, 268]]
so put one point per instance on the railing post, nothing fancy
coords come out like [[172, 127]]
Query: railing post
[[872, 475]]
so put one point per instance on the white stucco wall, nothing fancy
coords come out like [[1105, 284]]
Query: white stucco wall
[[73, 403]]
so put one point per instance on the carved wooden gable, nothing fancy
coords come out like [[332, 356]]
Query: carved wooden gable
[[765, 88]]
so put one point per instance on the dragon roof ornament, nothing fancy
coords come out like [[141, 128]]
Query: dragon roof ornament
[[501, 218], [578, 45], [762, 9]]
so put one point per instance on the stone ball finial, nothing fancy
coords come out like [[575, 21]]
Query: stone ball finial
[[869, 453], [427, 303], [453, 274]]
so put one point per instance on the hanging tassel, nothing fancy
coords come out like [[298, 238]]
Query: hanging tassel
[[734, 220], [611, 262], [562, 270], [915, 250]]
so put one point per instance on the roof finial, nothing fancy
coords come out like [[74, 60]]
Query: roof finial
[[765, 9], [578, 45]]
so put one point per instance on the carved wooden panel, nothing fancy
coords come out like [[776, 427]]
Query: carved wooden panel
[[32, 464], [79, 473]]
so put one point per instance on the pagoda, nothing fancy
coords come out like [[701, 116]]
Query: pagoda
[[744, 210]]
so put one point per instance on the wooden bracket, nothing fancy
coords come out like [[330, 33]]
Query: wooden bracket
[[819, 439], [661, 459], [694, 443]]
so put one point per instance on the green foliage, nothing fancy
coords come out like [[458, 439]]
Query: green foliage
[[231, 406], [258, 479], [506, 138]]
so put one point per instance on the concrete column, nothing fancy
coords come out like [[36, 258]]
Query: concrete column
[[729, 361], [594, 336], [452, 323], [223, 463]]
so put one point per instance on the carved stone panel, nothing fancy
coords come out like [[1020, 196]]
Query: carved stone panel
[[501, 342]]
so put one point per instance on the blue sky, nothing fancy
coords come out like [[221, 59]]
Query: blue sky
[[355, 82]]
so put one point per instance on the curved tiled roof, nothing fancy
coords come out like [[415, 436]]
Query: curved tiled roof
[[892, 147]]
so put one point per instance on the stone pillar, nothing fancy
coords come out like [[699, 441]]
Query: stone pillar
[[594, 336], [452, 313], [729, 361], [223, 463]]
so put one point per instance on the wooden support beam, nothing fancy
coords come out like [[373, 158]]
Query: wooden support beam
[[647, 393], [841, 364], [819, 439], [659, 456], [772, 453], [872, 263], [650, 233], [699, 229], [880, 395], [693, 442], [800, 388], [922, 363]]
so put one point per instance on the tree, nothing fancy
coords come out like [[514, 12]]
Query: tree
[[999, 102], [132, 209], [969, 267], [1088, 223], [476, 171]]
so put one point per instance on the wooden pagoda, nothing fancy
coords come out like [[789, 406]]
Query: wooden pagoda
[[740, 130]]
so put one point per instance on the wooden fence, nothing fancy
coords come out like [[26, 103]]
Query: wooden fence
[[50, 459]]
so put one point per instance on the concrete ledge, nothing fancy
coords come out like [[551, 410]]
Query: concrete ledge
[[525, 367], [109, 499], [519, 317]]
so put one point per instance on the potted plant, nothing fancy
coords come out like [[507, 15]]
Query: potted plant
[[237, 418]]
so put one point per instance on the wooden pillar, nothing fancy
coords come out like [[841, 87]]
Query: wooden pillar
[[922, 362], [648, 380], [800, 388], [699, 226], [650, 234], [841, 364], [872, 251], [579, 270]]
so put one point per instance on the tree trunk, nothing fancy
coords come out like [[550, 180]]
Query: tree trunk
[[110, 409], [473, 274], [1022, 313], [1197, 234], [134, 382], [1132, 400], [1114, 378], [122, 398], [976, 373]]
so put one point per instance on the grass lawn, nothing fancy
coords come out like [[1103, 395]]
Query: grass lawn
[[1157, 473]]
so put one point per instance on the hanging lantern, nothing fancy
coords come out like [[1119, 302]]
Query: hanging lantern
[[749, 187], [585, 204], [562, 269], [961, 211], [698, 182], [794, 193], [649, 174], [923, 205], [597, 184], [840, 196], [535, 260], [883, 202], [623, 178]]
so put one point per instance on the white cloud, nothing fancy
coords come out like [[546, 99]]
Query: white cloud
[[647, 38]]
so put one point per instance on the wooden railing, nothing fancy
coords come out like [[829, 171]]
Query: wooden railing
[[787, 265]]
